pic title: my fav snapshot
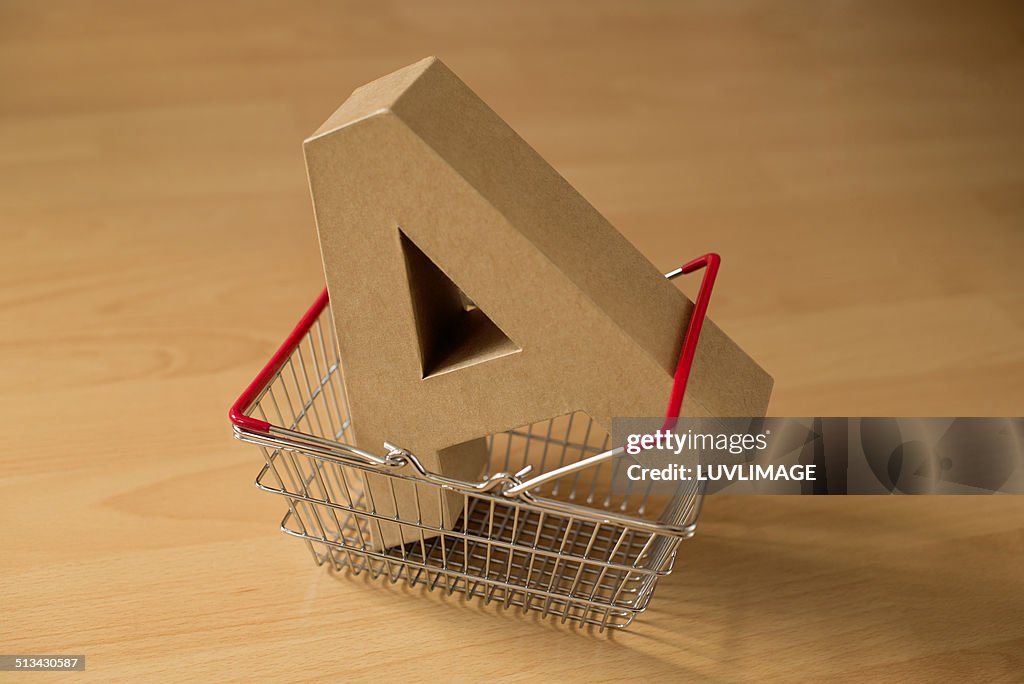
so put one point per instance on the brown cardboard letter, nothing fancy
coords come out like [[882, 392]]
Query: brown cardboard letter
[[475, 291]]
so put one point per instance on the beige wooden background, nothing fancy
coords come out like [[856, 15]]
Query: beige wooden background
[[860, 166]]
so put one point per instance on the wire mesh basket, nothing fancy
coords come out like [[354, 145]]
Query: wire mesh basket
[[564, 542]]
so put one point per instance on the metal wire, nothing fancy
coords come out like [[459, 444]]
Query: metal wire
[[562, 543]]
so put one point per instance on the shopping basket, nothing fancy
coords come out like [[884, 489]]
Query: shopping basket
[[564, 542]]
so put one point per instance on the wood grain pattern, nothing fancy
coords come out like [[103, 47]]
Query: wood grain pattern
[[858, 165]]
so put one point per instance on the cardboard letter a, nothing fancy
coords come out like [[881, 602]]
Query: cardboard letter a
[[475, 291]]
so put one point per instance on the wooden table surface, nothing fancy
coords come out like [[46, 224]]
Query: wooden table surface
[[860, 166]]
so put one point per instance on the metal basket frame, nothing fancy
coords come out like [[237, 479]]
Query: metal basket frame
[[560, 542]]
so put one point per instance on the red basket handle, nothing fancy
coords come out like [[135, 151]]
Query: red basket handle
[[710, 262]]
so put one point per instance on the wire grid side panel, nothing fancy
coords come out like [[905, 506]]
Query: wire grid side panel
[[509, 597], [547, 445], [495, 549], [504, 527], [328, 493], [308, 392], [451, 562]]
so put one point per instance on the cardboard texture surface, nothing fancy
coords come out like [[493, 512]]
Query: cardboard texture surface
[[475, 291]]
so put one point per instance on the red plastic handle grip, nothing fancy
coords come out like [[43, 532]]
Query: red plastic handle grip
[[277, 361], [710, 263]]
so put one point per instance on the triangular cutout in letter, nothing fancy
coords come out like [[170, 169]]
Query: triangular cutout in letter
[[453, 331]]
